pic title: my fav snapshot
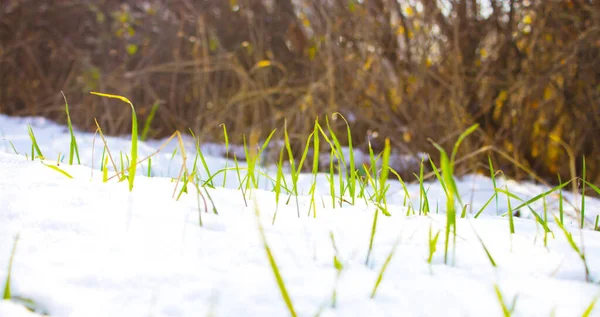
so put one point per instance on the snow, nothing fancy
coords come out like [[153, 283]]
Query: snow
[[89, 248]]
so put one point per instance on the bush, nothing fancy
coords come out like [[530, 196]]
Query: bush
[[527, 71]]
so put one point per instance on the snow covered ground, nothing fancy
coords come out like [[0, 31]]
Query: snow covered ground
[[89, 248]]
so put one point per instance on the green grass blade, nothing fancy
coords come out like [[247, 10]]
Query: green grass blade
[[134, 137], [590, 308], [73, 149], [537, 197], [148, 122], [461, 138], [495, 195], [34, 143], [493, 177], [58, 169], [273, 264], [384, 268], [583, 195], [7, 294], [505, 310]]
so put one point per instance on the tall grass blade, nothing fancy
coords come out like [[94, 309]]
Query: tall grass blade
[[583, 195], [73, 150], [149, 119], [134, 137], [273, 264]]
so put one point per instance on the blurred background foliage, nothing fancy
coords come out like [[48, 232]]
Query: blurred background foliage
[[528, 71]]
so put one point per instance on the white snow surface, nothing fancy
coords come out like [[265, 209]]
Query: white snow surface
[[88, 248]]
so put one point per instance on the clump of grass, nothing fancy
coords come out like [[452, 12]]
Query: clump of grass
[[34, 144], [447, 167], [7, 291], [134, 137], [273, 264]]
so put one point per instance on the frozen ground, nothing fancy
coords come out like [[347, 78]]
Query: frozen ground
[[89, 248]]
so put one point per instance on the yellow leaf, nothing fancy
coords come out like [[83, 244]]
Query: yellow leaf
[[407, 137], [112, 96], [499, 104], [400, 30], [263, 63], [368, 63], [483, 52], [527, 19], [409, 11], [132, 49], [548, 93]]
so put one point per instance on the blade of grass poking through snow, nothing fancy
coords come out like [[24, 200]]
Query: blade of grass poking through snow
[[13, 147], [288, 146], [495, 195], [105, 170], [493, 177], [274, 267], [372, 237], [134, 136], [583, 195], [461, 138], [590, 308], [277, 188], [380, 198], [385, 171], [226, 138], [315, 169], [204, 164], [511, 221], [58, 169], [384, 267], [406, 194], [539, 219], [341, 159], [452, 191], [151, 115], [34, 143], [561, 210], [505, 310], [250, 159], [487, 252], [7, 294], [432, 244], [330, 178], [596, 224], [351, 161], [73, 150], [538, 197], [575, 248]]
